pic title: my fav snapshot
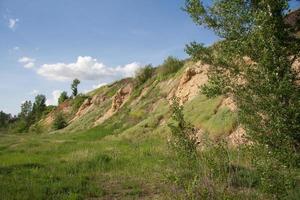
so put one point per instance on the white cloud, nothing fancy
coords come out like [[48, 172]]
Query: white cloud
[[26, 59], [54, 99], [12, 23], [86, 68], [27, 62], [29, 65], [16, 48], [34, 92]]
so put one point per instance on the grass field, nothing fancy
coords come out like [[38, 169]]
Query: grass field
[[83, 165], [129, 157]]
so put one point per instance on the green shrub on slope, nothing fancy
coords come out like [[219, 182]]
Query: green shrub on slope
[[171, 65]]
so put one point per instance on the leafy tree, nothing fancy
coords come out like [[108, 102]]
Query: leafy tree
[[253, 62], [39, 106], [59, 122], [26, 109], [144, 73], [25, 117], [4, 119], [63, 96], [74, 86]]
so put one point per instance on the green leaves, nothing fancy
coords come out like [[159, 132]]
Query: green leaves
[[74, 86], [143, 74], [253, 64]]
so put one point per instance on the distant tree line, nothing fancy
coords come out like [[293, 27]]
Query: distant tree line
[[33, 112]]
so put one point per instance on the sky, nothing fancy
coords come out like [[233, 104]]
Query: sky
[[45, 44]]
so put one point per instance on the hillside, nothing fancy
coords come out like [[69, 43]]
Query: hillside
[[129, 106], [115, 145]]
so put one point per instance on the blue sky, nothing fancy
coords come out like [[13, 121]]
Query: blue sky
[[47, 43]]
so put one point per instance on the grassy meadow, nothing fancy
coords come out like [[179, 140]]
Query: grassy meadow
[[129, 158]]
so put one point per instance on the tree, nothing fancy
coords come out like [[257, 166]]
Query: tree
[[59, 122], [39, 106], [144, 73], [25, 118], [4, 119], [26, 109], [253, 63], [74, 86], [63, 96]]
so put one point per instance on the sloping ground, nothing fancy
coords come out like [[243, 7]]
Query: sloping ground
[[151, 100], [126, 156]]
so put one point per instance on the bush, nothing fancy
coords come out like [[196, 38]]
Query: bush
[[77, 101], [36, 128], [182, 132], [59, 122], [63, 96], [143, 74], [171, 65]]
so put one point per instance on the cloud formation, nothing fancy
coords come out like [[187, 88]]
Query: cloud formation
[[12, 23], [54, 99], [86, 68], [27, 62]]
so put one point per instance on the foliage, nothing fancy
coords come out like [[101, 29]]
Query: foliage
[[59, 121], [74, 87], [25, 118], [63, 96], [254, 63], [170, 65], [77, 101], [182, 131], [26, 109], [49, 109], [4, 119], [36, 128], [218, 172], [39, 106], [143, 74]]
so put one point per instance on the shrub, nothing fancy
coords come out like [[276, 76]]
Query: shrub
[[171, 65], [77, 101], [182, 131], [143, 74], [36, 128], [63, 96], [48, 109], [59, 122]]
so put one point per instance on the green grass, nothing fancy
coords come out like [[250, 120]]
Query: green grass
[[123, 159], [205, 113], [80, 166], [129, 156]]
